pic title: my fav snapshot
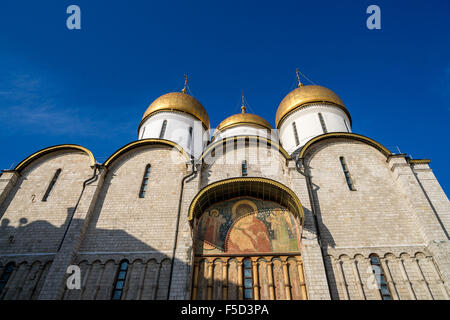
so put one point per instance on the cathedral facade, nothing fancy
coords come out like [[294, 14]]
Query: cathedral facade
[[305, 210]]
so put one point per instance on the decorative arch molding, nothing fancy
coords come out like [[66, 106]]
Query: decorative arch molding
[[139, 143], [24, 163], [131, 257], [243, 137], [262, 188], [345, 135]]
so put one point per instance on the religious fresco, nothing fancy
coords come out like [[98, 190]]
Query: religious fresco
[[246, 225]]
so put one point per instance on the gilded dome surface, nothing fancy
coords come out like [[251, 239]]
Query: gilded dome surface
[[243, 119], [179, 101], [304, 95]]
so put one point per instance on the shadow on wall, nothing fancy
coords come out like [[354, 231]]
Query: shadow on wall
[[146, 276], [326, 239]]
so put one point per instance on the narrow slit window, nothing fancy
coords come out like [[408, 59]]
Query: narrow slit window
[[244, 167], [347, 174], [120, 280], [189, 138], [381, 279], [145, 181], [51, 185], [247, 142], [294, 127], [143, 131], [322, 123], [346, 126], [9, 268], [163, 129], [248, 280]]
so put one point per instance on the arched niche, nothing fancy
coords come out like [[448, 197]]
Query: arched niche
[[253, 225]]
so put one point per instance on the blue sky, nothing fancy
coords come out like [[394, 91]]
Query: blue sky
[[91, 86]]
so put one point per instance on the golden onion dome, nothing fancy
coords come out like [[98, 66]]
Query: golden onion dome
[[243, 119], [304, 95], [181, 102]]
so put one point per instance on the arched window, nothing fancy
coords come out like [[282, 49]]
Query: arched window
[[163, 129], [9, 268], [248, 279], [120, 280], [347, 174], [145, 181], [51, 185], [294, 127], [322, 123], [380, 278]]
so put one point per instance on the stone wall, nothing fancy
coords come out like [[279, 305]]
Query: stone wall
[[398, 212], [387, 214], [121, 221], [376, 214], [26, 218], [262, 161]]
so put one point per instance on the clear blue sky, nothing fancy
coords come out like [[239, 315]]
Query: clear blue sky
[[91, 87]]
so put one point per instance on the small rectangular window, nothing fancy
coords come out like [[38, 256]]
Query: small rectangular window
[[346, 126], [120, 280], [163, 129], [189, 138], [294, 127], [6, 275], [377, 269], [244, 168], [144, 184], [347, 174], [51, 185], [322, 123], [248, 279]]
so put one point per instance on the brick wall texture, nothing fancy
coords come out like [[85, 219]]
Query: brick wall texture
[[398, 212]]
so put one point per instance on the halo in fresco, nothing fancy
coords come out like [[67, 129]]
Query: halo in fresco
[[247, 225]]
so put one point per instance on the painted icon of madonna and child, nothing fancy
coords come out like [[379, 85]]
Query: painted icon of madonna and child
[[246, 226]]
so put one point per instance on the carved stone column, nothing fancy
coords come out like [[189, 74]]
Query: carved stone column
[[301, 278], [195, 282], [389, 279], [406, 279], [255, 278], [225, 279], [210, 278], [270, 279], [240, 279], [287, 285], [358, 280]]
